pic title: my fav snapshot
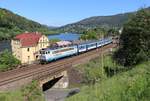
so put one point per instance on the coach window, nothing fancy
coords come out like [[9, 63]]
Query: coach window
[[28, 49]]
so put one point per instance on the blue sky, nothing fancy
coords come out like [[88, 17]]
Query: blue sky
[[61, 12]]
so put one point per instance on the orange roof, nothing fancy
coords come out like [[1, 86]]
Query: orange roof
[[29, 39]]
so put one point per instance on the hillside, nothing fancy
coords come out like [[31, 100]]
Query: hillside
[[12, 24], [116, 21], [97, 21]]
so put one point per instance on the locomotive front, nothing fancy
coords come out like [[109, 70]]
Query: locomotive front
[[42, 56]]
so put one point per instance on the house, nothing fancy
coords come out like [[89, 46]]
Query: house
[[26, 46]]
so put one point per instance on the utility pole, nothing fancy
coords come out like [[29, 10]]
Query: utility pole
[[102, 68]]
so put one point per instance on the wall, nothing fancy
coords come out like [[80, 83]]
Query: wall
[[16, 49], [28, 56], [43, 42], [62, 83]]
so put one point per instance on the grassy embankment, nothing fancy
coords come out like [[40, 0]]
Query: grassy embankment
[[28, 93], [113, 82]]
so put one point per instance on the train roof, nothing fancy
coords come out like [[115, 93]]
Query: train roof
[[92, 41], [87, 42], [82, 43]]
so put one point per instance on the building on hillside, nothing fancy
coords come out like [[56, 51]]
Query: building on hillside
[[26, 46]]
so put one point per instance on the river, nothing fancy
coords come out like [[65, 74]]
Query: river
[[5, 45], [65, 36]]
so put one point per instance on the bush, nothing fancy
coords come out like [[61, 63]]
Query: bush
[[8, 61], [32, 92], [92, 71], [93, 34]]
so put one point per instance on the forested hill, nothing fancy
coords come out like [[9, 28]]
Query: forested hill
[[99, 21], [12, 24], [115, 20]]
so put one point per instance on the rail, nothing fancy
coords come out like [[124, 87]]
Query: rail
[[40, 70]]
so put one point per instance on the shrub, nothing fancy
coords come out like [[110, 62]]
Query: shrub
[[8, 61]]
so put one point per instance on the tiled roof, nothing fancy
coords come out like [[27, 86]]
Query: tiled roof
[[29, 39]]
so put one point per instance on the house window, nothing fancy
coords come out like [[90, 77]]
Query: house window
[[28, 49], [37, 57], [41, 45]]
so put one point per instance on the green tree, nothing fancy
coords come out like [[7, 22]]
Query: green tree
[[93, 34], [12, 24], [135, 40], [8, 61], [113, 32], [54, 40]]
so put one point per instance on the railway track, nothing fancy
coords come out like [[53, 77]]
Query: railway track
[[38, 70]]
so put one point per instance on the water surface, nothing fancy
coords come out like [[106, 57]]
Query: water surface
[[5, 45], [65, 36]]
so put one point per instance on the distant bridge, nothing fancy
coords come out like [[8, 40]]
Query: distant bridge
[[53, 71]]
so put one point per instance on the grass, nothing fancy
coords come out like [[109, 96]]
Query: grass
[[95, 70], [128, 85], [28, 93], [11, 96]]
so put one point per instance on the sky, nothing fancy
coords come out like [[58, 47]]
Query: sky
[[61, 12]]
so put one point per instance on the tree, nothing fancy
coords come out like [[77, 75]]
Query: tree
[[135, 40], [8, 61], [12, 24], [93, 34], [113, 32]]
